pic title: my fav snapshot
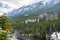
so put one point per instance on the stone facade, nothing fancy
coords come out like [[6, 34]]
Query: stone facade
[[45, 16]]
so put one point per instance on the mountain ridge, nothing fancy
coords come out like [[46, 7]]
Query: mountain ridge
[[33, 9]]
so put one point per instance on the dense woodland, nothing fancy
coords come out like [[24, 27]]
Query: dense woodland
[[40, 28]]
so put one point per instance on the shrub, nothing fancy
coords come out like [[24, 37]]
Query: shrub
[[3, 35]]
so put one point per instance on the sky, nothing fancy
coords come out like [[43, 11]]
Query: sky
[[10, 5]]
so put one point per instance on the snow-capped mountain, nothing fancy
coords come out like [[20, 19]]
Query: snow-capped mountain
[[26, 10]]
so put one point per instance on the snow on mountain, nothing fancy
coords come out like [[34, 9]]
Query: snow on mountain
[[28, 8], [33, 7]]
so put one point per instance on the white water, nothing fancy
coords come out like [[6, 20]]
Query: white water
[[14, 38], [56, 36]]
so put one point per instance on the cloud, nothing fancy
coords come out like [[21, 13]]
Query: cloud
[[24, 2], [6, 7], [9, 5], [21, 3]]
